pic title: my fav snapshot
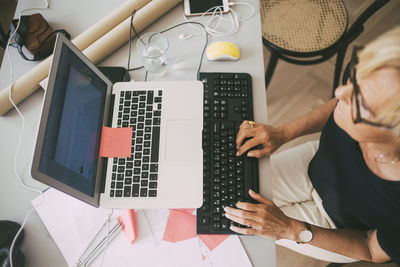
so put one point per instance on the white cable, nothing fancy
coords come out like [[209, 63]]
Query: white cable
[[22, 227], [216, 19], [108, 236], [20, 133], [252, 10]]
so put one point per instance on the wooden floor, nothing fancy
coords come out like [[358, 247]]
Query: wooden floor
[[310, 86]]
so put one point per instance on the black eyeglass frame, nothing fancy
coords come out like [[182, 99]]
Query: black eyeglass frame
[[357, 93]]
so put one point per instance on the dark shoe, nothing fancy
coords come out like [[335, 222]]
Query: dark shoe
[[18, 257], [8, 230], [3, 38]]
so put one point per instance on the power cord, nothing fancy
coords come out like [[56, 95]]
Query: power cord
[[130, 42], [214, 23], [20, 133], [205, 44]]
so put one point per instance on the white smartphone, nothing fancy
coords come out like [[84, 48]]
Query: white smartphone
[[199, 7]]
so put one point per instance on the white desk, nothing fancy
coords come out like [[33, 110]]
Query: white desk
[[76, 16]]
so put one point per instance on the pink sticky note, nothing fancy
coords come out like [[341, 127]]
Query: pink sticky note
[[116, 142], [190, 211], [128, 222], [213, 241], [180, 226]]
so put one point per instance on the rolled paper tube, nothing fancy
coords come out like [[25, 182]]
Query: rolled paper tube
[[106, 24], [120, 34], [29, 82]]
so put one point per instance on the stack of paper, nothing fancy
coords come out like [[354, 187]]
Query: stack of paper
[[165, 238]]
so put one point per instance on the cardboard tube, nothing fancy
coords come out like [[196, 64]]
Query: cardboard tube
[[106, 24], [120, 34], [29, 82]]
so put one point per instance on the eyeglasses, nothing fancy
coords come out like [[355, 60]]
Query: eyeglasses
[[357, 99]]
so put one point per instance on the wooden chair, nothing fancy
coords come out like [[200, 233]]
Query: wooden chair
[[307, 32]]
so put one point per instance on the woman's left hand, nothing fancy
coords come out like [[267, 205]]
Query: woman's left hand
[[264, 219]]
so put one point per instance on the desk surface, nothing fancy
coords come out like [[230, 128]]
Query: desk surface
[[73, 15]]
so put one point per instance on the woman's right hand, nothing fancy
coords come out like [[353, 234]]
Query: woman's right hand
[[270, 138]]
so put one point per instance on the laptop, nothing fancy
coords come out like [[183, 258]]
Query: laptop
[[165, 168]]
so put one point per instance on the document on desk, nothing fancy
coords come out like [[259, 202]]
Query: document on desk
[[73, 224]]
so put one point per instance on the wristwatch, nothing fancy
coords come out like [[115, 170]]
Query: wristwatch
[[306, 235]]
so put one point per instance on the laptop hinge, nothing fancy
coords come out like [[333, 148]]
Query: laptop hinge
[[110, 115], [104, 173]]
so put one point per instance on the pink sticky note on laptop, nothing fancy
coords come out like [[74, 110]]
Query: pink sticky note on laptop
[[128, 222], [116, 142], [180, 226]]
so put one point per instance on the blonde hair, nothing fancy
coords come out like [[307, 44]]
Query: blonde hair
[[383, 52]]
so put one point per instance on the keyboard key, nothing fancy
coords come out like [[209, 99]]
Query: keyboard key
[[143, 192], [118, 193], [153, 185], [120, 185], [153, 176], [135, 190], [152, 193], [127, 191], [205, 220], [150, 95], [155, 144], [156, 121], [145, 167], [153, 167]]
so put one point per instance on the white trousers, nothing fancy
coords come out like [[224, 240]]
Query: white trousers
[[294, 193]]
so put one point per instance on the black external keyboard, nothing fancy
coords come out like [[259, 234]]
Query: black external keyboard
[[227, 178]]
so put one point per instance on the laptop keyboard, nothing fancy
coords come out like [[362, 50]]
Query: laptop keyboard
[[137, 176], [227, 178]]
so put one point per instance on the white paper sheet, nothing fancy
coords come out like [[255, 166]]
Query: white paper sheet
[[73, 223]]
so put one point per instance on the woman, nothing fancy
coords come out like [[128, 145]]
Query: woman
[[341, 202]]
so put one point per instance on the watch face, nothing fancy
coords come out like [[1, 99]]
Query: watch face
[[305, 236]]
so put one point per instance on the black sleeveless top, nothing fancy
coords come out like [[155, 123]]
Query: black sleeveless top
[[352, 195]]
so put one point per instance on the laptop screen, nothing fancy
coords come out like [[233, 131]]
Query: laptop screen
[[70, 152]]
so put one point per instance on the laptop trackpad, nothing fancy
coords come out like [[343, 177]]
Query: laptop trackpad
[[183, 140]]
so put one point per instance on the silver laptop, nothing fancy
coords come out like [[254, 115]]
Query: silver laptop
[[164, 169]]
